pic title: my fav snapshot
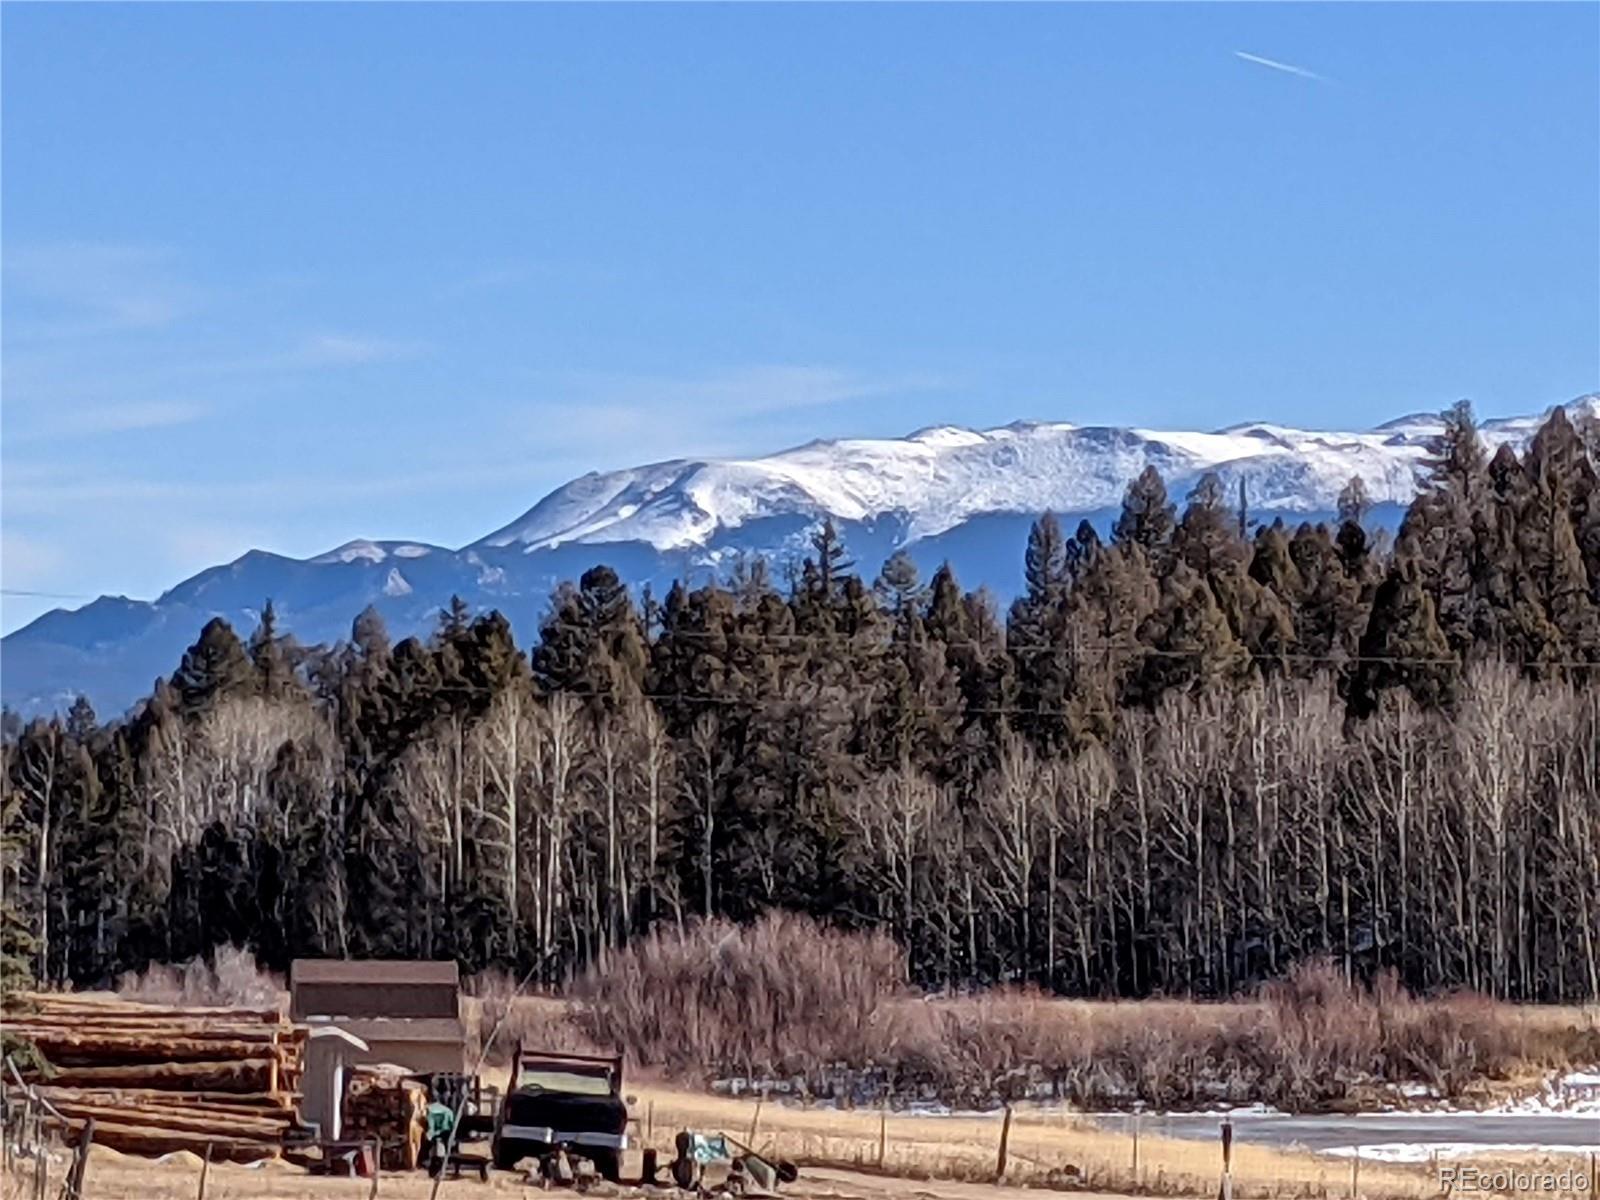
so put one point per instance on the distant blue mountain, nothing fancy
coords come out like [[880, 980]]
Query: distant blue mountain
[[943, 493]]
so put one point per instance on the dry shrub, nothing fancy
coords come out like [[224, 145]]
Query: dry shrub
[[230, 980], [1322, 1038], [538, 1022], [1319, 1038], [1016, 1044], [1454, 1040], [775, 998], [788, 1000]]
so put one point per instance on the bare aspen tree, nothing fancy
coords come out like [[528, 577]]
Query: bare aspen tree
[[655, 765]]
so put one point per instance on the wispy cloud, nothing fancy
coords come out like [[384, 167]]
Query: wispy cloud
[[757, 390], [86, 287], [1274, 64], [65, 420], [611, 417], [347, 350], [37, 490], [28, 562]]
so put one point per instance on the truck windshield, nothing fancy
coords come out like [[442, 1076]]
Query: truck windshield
[[536, 1079]]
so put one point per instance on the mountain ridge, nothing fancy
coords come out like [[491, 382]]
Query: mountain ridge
[[941, 492]]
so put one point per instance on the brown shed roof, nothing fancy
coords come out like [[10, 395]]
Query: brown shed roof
[[421, 1029], [381, 971]]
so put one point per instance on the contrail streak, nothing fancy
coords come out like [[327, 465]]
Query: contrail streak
[[1288, 68]]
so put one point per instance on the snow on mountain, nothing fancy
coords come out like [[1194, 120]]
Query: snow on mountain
[[944, 493], [940, 477], [362, 550]]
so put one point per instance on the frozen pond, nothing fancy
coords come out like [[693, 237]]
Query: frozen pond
[[1394, 1136]]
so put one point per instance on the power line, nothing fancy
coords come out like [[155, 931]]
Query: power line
[[46, 595], [1131, 649]]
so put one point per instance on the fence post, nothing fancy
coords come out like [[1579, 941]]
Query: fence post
[[1137, 1117], [41, 1160], [80, 1161], [1226, 1190], [883, 1131], [755, 1123], [1005, 1137], [1355, 1174], [650, 1121]]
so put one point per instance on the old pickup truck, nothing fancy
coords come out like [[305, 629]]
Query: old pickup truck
[[563, 1100]]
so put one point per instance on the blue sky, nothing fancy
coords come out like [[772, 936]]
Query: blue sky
[[284, 275]]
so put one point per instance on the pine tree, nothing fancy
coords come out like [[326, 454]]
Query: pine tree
[[1555, 486], [1206, 538], [1147, 518], [592, 644], [899, 584], [1105, 613], [1325, 598], [17, 943], [82, 724], [1082, 550], [1354, 501], [1446, 534], [213, 669], [1045, 566], [821, 587], [1403, 645], [272, 655], [1036, 638], [369, 635], [1189, 638]]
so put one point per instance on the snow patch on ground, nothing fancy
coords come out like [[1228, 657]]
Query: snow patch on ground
[[1416, 1152], [1575, 1094]]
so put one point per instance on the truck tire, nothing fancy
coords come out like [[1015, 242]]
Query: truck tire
[[608, 1163], [508, 1154]]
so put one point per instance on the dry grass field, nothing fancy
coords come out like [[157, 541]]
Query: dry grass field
[[864, 1154], [925, 1158], [112, 1177], [1045, 1149]]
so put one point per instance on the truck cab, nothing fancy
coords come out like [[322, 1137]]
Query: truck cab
[[563, 1100]]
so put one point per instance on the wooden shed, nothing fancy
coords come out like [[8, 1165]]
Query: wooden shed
[[407, 1012]]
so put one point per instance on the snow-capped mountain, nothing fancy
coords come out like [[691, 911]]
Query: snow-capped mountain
[[943, 493]]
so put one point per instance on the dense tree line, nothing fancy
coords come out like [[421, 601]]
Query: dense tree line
[[1189, 755]]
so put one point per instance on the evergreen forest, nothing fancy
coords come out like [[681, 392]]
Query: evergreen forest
[[1195, 751]]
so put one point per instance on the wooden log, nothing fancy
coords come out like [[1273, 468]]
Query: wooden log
[[69, 1050], [238, 1075], [265, 1035], [200, 1122], [46, 1002], [217, 1102], [150, 1143], [185, 1117], [243, 1102], [85, 1021]]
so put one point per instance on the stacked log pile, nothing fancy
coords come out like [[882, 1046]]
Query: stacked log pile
[[385, 1106], [156, 1079]]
